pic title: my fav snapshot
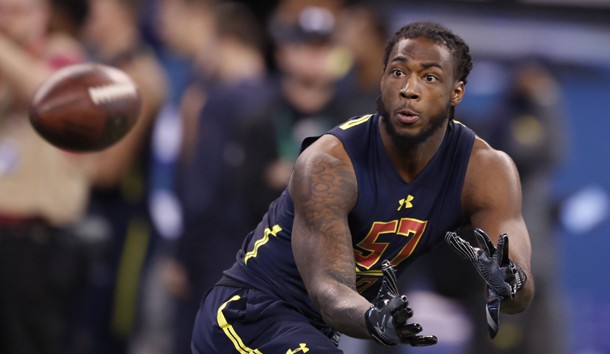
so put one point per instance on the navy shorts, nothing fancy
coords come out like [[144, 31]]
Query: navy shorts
[[238, 320]]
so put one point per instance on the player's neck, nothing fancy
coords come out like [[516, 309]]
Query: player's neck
[[410, 162]]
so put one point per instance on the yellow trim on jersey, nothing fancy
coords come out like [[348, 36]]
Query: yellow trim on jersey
[[458, 122], [230, 331], [262, 241], [353, 122], [373, 272]]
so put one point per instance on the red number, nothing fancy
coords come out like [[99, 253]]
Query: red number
[[374, 248]]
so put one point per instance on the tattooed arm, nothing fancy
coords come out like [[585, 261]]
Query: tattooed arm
[[324, 189]]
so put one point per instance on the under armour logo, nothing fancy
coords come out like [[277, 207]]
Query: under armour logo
[[302, 348], [406, 203]]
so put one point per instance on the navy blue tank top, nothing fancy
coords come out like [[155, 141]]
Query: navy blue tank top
[[392, 219]]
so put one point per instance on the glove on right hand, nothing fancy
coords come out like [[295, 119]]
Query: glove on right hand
[[387, 318]]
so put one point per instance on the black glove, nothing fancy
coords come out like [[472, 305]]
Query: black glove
[[502, 276], [387, 318]]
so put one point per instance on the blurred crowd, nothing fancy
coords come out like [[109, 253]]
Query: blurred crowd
[[111, 252]]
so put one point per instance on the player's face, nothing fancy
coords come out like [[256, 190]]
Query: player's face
[[418, 90]]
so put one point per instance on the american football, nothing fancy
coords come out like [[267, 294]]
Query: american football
[[85, 107]]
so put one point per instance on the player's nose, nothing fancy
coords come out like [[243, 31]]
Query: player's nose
[[410, 88]]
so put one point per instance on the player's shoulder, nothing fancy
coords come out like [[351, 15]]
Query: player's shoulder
[[490, 171], [327, 148], [324, 172], [324, 157], [338, 138], [492, 180], [484, 156]]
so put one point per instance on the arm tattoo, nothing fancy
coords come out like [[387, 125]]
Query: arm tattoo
[[325, 192]]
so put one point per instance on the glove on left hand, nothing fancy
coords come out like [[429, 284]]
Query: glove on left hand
[[503, 277], [499, 272]]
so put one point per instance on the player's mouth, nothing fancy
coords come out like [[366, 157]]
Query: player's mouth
[[407, 116]]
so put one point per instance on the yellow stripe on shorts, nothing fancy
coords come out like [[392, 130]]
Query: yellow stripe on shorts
[[230, 331]]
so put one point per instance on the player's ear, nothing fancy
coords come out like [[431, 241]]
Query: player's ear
[[457, 93]]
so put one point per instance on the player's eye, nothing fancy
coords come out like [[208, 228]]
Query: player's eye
[[397, 73], [430, 78]]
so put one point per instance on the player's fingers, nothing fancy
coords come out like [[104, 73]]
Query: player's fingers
[[423, 341], [401, 317], [400, 310], [503, 250], [409, 330], [389, 282], [485, 242], [461, 246], [397, 303]]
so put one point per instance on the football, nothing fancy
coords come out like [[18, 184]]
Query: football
[[85, 107]]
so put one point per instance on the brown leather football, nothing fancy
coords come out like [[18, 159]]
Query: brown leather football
[[85, 107]]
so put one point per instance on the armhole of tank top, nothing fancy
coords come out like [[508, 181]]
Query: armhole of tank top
[[469, 134]]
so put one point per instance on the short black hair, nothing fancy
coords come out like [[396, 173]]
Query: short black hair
[[439, 34]]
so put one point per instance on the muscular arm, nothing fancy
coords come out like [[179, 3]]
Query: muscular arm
[[323, 188], [492, 200]]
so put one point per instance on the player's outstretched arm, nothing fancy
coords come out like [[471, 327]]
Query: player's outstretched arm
[[492, 200], [324, 190]]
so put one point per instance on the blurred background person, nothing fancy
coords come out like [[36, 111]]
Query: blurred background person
[[227, 66], [186, 35], [362, 30], [207, 176], [117, 220], [130, 53], [180, 32], [307, 65], [43, 189]]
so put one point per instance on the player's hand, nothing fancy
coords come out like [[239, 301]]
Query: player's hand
[[499, 272], [387, 318], [502, 276]]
